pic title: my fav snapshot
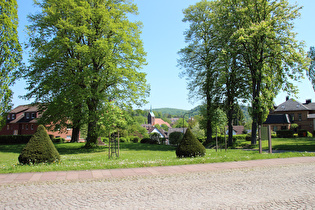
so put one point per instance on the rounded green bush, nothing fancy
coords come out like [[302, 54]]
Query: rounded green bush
[[39, 149], [190, 146]]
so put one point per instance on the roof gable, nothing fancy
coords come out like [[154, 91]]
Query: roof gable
[[291, 105], [277, 119]]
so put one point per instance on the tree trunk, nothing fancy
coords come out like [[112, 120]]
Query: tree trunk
[[92, 134], [75, 134], [208, 120], [230, 125]]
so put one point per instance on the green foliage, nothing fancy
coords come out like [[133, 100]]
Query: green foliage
[[164, 127], [59, 140], [155, 138], [98, 52], [180, 124], [304, 133], [175, 138], [285, 133], [311, 71], [10, 54], [39, 149], [15, 139], [190, 146]]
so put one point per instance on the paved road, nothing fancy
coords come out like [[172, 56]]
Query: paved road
[[265, 187]]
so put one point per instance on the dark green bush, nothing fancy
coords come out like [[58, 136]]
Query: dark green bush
[[15, 139], [145, 140], [285, 133], [134, 139], [175, 138], [123, 139], [105, 139], [240, 137], [39, 149], [190, 146], [58, 140], [302, 133]]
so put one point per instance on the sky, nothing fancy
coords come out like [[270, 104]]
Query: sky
[[162, 35]]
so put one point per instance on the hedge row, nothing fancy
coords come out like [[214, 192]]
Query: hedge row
[[285, 134], [15, 139]]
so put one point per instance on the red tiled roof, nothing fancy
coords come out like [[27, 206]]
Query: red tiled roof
[[160, 122]]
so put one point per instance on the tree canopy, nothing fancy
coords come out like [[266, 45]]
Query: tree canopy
[[10, 54], [249, 44], [85, 55]]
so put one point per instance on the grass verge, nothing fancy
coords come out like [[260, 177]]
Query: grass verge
[[74, 157]]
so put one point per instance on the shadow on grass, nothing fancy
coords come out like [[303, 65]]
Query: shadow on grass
[[151, 147], [77, 148]]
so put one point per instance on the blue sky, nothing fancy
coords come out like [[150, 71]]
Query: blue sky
[[163, 37]]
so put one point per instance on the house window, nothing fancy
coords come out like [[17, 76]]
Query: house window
[[292, 117], [32, 127], [68, 137], [275, 128], [8, 117], [300, 117], [8, 127], [26, 127], [22, 126], [33, 115], [13, 116], [27, 115]]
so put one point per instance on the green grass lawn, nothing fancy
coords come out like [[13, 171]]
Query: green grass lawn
[[74, 157]]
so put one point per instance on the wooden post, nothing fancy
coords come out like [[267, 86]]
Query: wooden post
[[225, 139], [109, 145], [216, 139], [259, 139], [118, 143], [269, 139]]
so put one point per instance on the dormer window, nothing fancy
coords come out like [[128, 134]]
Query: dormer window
[[33, 115], [27, 115], [8, 117], [282, 106], [13, 116]]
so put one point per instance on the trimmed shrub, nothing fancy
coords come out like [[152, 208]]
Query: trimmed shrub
[[134, 139], [39, 149], [58, 140], [190, 146], [285, 133], [240, 137], [15, 139], [145, 140], [175, 138]]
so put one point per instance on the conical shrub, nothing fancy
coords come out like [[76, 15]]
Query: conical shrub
[[190, 146], [39, 149]]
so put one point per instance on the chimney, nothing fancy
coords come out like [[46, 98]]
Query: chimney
[[287, 98], [308, 101]]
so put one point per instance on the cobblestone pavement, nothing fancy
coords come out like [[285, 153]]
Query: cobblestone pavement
[[264, 187]]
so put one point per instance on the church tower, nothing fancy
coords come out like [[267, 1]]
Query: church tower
[[151, 117]]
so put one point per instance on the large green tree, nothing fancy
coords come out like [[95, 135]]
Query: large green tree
[[10, 54], [267, 48], [199, 59], [85, 55], [311, 71]]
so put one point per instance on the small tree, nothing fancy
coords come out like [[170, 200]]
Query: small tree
[[39, 149], [155, 138], [190, 146], [176, 137]]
